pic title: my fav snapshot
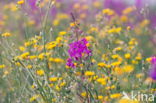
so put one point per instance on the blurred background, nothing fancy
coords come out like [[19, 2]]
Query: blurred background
[[26, 20]]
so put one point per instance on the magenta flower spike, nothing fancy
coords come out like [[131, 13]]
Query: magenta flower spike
[[76, 51]]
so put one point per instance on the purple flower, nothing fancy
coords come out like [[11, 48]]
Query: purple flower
[[153, 69], [153, 61], [77, 50], [32, 4], [70, 63]]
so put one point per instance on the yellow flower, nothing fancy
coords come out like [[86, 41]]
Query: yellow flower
[[124, 18], [72, 24], [67, 67], [138, 57], [31, 22], [133, 41], [89, 73], [33, 86], [139, 75], [118, 70], [57, 88], [117, 63], [62, 33], [134, 62], [108, 66], [18, 64], [53, 79], [24, 55], [89, 38], [26, 44], [59, 39], [53, 100], [13, 7], [117, 49], [115, 56], [41, 56], [95, 77], [40, 72], [128, 68], [100, 97], [128, 10], [88, 45], [29, 66], [81, 65], [33, 98], [114, 30], [56, 60], [108, 12], [20, 2], [83, 94], [144, 23], [51, 45], [62, 84], [7, 34], [101, 64], [116, 95], [56, 22], [32, 57], [127, 55], [2, 66], [101, 81], [148, 59], [51, 85], [78, 73], [21, 48], [128, 27]]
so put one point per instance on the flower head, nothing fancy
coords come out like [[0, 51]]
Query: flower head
[[78, 50]]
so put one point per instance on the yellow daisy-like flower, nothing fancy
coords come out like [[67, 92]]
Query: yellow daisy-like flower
[[62, 33], [128, 56], [53, 79], [83, 94], [100, 97], [21, 48], [7, 34], [101, 64], [101, 81], [89, 73], [128, 68], [40, 72], [116, 95], [148, 59], [33, 98], [29, 66], [24, 55], [56, 60], [62, 84], [20, 2], [108, 12], [2, 66]]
